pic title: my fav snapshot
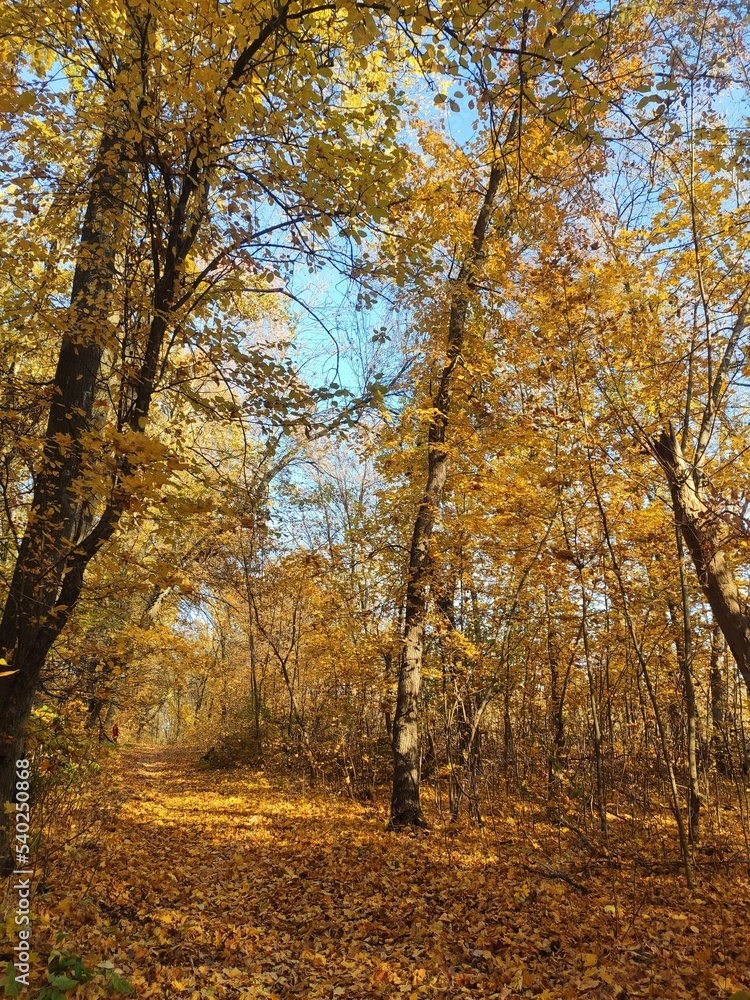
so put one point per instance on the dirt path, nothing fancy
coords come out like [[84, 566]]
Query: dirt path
[[210, 884]]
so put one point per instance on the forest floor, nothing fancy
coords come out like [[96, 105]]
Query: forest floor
[[232, 884]]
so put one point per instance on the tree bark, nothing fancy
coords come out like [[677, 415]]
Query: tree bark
[[556, 722], [691, 704], [43, 587], [699, 526], [601, 788], [53, 555], [719, 702], [406, 809]]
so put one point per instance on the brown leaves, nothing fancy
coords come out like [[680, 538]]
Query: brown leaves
[[232, 887]]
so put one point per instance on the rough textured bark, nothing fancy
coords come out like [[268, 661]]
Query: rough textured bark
[[700, 527], [405, 805]]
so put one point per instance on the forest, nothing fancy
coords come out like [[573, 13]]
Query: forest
[[374, 499]]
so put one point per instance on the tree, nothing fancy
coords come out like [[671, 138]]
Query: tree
[[689, 304], [211, 175], [405, 805], [542, 83]]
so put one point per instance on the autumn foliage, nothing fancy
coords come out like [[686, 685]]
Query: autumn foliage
[[373, 395]]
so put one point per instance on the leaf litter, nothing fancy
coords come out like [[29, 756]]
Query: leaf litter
[[238, 884]]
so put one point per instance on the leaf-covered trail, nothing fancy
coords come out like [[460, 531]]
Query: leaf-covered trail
[[215, 884]]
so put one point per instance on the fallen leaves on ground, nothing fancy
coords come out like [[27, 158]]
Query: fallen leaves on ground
[[233, 886]]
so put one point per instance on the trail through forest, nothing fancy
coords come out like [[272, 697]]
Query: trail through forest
[[200, 883]]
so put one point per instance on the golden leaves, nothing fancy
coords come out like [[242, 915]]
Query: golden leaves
[[229, 886]]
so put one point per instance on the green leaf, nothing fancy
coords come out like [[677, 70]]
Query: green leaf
[[63, 982], [120, 984], [740, 995], [11, 988]]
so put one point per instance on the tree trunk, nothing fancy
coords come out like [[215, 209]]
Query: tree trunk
[[405, 805], [643, 672], [52, 559], [44, 585], [556, 722], [694, 794], [719, 702], [700, 529], [601, 788], [255, 689]]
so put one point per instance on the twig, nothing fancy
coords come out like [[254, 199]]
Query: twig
[[550, 873], [577, 832]]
